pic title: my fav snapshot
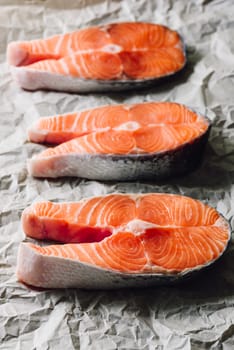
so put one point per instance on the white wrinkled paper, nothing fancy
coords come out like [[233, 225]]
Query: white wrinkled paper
[[198, 314]]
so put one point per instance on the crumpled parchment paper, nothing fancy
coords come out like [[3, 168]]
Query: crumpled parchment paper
[[198, 314]]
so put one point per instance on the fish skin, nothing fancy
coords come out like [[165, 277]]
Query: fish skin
[[34, 269], [32, 79], [84, 276], [158, 166]]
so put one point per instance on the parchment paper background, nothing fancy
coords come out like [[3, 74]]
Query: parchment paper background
[[195, 315]]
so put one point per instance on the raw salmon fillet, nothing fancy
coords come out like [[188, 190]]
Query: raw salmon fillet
[[116, 56], [119, 240], [122, 142]]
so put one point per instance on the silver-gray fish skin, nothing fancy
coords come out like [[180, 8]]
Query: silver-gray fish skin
[[134, 167], [55, 272]]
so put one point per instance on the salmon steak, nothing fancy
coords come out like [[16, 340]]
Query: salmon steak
[[150, 140], [113, 56], [120, 240]]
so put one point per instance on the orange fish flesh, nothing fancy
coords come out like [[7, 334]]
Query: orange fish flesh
[[120, 240], [122, 142], [113, 56]]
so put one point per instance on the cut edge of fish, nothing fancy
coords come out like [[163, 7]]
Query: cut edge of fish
[[157, 166], [86, 276], [31, 79]]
